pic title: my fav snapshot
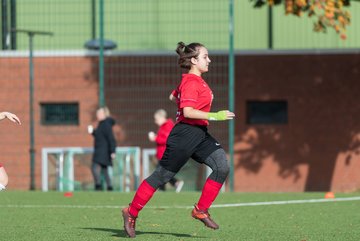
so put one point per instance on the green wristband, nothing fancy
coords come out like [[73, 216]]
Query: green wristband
[[217, 116]]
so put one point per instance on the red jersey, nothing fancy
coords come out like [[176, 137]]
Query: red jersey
[[194, 92], [161, 138]]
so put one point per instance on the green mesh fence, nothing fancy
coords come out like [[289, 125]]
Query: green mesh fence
[[140, 73], [155, 24], [139, 81]]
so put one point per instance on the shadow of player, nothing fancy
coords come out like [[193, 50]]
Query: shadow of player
[[121, 233]]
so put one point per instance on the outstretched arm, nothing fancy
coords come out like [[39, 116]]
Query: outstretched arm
[[190, 112], [10, 116]]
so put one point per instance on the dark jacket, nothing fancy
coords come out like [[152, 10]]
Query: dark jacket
[[104, 142]]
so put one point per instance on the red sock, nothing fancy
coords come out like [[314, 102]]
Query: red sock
[[209, 193], [142, 196]]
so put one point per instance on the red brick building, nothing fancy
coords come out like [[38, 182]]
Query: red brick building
[[316, 148]]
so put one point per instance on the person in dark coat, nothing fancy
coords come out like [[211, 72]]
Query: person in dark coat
[[104, 147]]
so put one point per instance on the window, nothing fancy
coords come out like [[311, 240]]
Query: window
[[60, 113], [267, 112]]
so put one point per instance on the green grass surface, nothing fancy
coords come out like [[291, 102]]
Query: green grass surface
[[51, 216]]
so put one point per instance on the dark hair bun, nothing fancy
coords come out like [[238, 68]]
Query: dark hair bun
[[186, 53]]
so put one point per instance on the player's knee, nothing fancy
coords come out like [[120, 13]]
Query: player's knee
[[219, 164], [224, 169], [160, 177]]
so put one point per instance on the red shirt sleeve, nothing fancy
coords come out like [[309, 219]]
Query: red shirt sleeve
[[189, 94], [175, 93]]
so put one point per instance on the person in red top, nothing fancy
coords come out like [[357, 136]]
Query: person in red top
[[188, 139], [165, 127], [4, 179]]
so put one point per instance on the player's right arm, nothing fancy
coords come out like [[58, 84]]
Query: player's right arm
[[174, 96]]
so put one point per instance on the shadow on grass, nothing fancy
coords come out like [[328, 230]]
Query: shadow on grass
[[121, 233]]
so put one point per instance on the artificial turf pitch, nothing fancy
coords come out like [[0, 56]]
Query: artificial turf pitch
[[96, 216]]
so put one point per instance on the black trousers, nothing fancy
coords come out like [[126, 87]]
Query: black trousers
[[98, 169], [187, 141]]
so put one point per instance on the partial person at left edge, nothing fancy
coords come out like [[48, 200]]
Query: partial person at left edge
[[4, 179], [104, 148]]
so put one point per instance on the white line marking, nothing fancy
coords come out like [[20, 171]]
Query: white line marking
[[345, 199], [287, 202]]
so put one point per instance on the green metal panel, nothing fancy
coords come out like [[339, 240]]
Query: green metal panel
[[157, 24], [69, 20], [291, 32], [250, 26]]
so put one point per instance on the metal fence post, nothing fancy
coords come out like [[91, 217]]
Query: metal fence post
[[101, 54], [270, 27], [4, 24], [31, 35], [231, 91], [31, 100]]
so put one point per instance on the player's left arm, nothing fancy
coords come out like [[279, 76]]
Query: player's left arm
[[190, 112]]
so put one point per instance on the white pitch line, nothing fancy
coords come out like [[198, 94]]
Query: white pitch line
[[287, 202], [345, 199]]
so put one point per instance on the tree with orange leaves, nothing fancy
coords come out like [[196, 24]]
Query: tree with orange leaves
[[329, 13]]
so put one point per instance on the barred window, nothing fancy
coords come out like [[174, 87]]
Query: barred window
[[59, 113], [267, 112]]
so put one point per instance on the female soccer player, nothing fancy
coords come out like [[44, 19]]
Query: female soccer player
[[189, 138], [3, 175]]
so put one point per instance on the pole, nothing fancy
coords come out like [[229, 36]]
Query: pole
[[31, 35], [13, 24], [4, 24], [231, 91], [270, 27], [101, 54], [32, 135]]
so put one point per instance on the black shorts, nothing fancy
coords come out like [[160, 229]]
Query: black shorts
[[187, 141]]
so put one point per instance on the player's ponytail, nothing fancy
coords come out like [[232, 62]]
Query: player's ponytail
[[186, 53]]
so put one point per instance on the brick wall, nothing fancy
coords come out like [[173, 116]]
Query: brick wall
[[61, 79], [317, 150], [319, 147]]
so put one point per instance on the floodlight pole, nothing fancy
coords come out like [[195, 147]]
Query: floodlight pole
[[270, 27], [101, 55], [231, 92], [31, 35]]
